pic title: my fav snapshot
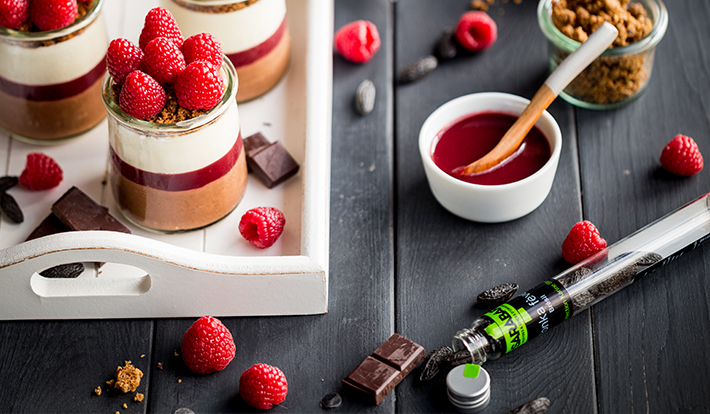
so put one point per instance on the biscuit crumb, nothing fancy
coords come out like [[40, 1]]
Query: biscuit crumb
[[97, 391], [138, 397], [179, 381], [124, 405], [480, 5], [142, 355], [176, 354], [160, 365], [128, 378]]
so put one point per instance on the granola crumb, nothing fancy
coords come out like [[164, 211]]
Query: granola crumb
[[128, 378], [138, 397], [480, 5], [171, 113], [176, 353], [142, 355], [160, 365], [124, 405], [97, 390], [179, 381]]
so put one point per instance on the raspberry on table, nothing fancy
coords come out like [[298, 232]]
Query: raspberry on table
[[582, 242], [207, 346], [160, 23], [262, 226], [202, 46], [122, 58], [358, 41], [199, 86], [163, 61], [681, 156], [41, 172], [476, 31], [141, 96], [53, 14], [13, 13], [262, 386]]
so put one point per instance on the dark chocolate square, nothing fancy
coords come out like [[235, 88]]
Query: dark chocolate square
[[50, 225], [374, 378], [272, 164], [398, 351], [253, 142], [79, 212]]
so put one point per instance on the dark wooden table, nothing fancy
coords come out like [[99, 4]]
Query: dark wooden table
[[400, 263]]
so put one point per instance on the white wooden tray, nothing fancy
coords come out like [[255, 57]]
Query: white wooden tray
[[212, 271]]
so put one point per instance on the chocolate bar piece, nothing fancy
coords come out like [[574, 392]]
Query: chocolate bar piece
[[79, 212], [49, 225], [254, 142], [379, 373], [272, 164]]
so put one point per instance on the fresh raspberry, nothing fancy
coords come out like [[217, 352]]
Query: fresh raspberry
[[141, 96], [582, 242], [160, 23], [53, 14], [262, 226], [207, 346], [681, 156], [163, 60], [202, 46], [358, 41], [199, 86], [14, 13], [262, 386], [476, 31], [41, 172], [122, 58]]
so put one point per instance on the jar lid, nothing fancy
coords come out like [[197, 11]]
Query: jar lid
[[469, 387]]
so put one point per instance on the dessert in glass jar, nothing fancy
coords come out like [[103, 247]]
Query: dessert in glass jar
[[253, 33], [51, 68]]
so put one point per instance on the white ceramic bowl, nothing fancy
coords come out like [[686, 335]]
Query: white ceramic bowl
[[488, 203]]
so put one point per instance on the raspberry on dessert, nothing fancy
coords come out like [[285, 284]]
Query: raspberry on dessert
[[358, 41], [476, 31], [207, 346], [122, 58], [262, 386], [199, 86], [583, 241], [202, 46], [160, 23], [53, 14], [163, 60], [681, 156], [41, 172], [141, 96], [262, 226], [13, 13]]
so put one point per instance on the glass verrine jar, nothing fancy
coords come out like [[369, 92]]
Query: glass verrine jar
[[50, 82], [180, 176], [253, 33], [620, 75]]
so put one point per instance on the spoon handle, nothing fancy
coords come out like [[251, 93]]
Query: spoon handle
[[555, 83]]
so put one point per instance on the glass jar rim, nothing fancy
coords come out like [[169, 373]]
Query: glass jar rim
[[78, 24], [182, 127], [658, 12]]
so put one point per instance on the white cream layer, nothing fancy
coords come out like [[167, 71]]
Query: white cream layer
[[179, 153], [236, 31], [57, 63]]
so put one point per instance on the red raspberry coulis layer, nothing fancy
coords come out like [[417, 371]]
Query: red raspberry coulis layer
[[248, 56], [56, 91]]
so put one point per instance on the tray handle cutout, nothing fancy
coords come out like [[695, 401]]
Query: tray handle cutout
[[97, 279]]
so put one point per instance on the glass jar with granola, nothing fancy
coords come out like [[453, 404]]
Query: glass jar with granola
[[621, 74]]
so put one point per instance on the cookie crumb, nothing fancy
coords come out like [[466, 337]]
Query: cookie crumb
[[138, 397], [128, 378], [160, 365], [97, 391], [480, 5], [176, 354], [142, 355], [124, 405], [179, 381]]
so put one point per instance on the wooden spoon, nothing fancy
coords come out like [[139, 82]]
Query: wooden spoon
[[597, 43]]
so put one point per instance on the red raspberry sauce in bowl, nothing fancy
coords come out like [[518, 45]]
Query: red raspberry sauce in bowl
[[473, 136]]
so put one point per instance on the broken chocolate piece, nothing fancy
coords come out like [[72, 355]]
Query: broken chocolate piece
[[50, 225], [272, 164], [67, 271], [253, 142], [379, 373], [79, 212]]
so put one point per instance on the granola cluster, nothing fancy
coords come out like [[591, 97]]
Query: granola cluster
[[609, 79]]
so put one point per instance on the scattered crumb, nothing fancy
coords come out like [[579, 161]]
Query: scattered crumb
[[110, 383], [171, 112], [128, 378], [97, 391], [117, 412], [138, 397], [501, 11], [480, 5], [142, 355], [176, 354], [179, 381], [124, 405], [160, 365]]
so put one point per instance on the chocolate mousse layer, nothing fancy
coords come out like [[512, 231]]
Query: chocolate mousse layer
[[52, 119], [262, 74], [175, 211]]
